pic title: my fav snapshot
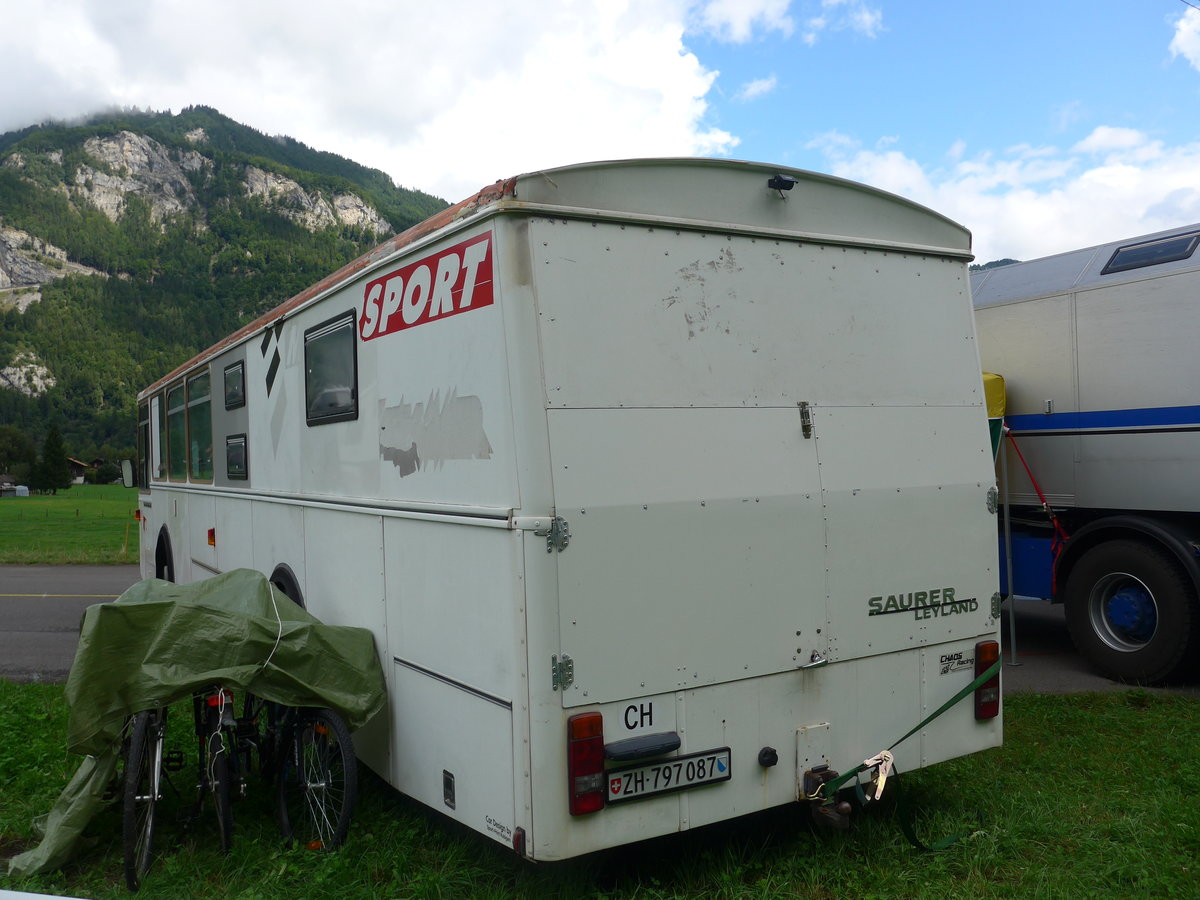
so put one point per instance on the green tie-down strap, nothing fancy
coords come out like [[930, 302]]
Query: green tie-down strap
[[827, 792]]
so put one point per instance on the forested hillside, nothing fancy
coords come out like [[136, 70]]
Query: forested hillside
[[132, 241]]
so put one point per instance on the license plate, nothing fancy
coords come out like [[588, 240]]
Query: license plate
[[675, 774]]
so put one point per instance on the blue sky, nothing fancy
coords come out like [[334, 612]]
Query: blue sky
[[1041, 126]]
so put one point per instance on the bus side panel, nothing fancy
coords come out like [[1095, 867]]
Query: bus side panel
[[1136, 351], [1032, 344], [455, 635], [235, 534], [343, 554]]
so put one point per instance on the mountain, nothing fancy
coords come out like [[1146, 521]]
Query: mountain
[[133, 240]]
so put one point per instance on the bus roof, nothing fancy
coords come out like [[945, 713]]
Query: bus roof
[[676, 192], [1116, 261]]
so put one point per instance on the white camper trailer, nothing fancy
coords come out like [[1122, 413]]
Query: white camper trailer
[[662, 484], [1098, 351]]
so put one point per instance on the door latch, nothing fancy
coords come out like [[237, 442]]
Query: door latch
[[805, 419]]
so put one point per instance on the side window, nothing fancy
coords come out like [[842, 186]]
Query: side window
[[176, 435], [236, 463], [199, 427], [235, 385], [143, 445], [331, 371], [1152, 253], [160, 450]]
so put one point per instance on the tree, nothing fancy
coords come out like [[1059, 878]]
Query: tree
[[16, 450], [52, 472]]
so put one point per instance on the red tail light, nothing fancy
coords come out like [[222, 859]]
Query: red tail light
[[987, 695], [585, 763]]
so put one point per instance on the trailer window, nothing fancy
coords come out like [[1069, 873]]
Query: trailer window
[[235, 457], [176, 435], [199, 425], [160, 450], [235, 385], [331, 371], [1152, 253]]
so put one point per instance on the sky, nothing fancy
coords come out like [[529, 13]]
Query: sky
[[1041, 125]]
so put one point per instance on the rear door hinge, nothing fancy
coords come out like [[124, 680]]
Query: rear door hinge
[[557, 535], [562, 672]]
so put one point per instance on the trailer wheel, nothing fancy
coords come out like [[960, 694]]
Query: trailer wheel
[[1131, 611]]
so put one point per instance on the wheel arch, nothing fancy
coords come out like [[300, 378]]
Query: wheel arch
[[285, 580], [1181, 540], [164, 556]]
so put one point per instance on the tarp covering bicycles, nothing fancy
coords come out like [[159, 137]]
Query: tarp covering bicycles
[[161, 642]]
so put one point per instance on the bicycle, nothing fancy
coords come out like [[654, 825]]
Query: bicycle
[[308, 752], [222, 758], [147, 763], [144, 768]]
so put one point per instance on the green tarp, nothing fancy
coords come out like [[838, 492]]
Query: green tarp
[[161, 642]]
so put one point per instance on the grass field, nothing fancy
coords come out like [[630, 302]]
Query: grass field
[[90, 524], [1092, 796]]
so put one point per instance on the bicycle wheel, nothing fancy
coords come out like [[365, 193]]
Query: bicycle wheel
[[219, 778], [318, 781], [258, 737], [143, 768]]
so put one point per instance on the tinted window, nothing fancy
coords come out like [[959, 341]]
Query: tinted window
[[199, 419], [143, 445], [331, 371], [1152, 253], [236, 464], [176, 435], [160, 451], [235, 386]]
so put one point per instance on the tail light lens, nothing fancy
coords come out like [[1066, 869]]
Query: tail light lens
[[987, 695], [585, 763]]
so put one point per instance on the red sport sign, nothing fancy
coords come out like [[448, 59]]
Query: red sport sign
[[452, 281]]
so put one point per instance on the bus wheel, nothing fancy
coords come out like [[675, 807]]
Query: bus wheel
[[1131, 611]]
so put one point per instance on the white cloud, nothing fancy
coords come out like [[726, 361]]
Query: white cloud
[[1036, 201], [1106, 139], [437, 95], [752, 90], [838, 15], [739, 20], [1186, 42]]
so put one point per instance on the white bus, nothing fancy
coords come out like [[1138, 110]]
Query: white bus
[[664, 485]]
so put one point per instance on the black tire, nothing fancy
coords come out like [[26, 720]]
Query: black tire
[[220, 775], [1131, 611], [141, 796], [318, 781]]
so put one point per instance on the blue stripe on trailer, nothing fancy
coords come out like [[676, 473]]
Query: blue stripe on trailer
[[1173, 417]]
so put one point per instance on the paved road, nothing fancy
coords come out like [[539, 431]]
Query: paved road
[[40, 611], [1046, 661]]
